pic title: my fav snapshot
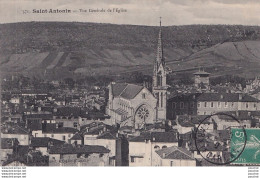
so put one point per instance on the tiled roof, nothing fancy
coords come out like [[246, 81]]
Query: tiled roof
[[156, 137], [61, 130], [224, 97], [79, 149], [128, 91], [76, 136], [107, 135], [175, 153], [39, 116], [16, 130], [70, 111], [8, 143], [118, 88], [44, 141], [185, 121]]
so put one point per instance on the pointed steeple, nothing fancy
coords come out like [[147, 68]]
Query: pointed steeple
[[159, 57]]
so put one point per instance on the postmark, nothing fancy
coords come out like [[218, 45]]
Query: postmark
[[213, 138]]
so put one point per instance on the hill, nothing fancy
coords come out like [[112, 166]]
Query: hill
[[61, 49]]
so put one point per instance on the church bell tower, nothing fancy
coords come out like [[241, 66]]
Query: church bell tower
[[159, 80]]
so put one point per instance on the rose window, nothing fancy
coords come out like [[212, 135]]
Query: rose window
[[143, 113]]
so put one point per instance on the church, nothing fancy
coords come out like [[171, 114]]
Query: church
[[134, 105]]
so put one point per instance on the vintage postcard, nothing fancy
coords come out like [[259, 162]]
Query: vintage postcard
[[130, 83]]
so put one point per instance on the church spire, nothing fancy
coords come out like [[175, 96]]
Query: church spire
[[159, 57]]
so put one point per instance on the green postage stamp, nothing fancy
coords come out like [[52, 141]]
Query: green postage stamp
[[245, 142]]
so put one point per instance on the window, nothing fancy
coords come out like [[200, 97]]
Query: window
[[132, 159], [101, 155], [78, 155], [232, 104], [52, 135], [246, 105], [226, 104], [212, 104], [63, 137], [205, 104], [171, 163], [82, 119], [45, 135], [60, 124], [181, 105], [173, 105], [254, 105], [143, 96], [198, 105], [164, 146], [156, 147], [75, 124], [219, 105]]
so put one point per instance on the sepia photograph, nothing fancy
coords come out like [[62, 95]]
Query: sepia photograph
[[148, 83]]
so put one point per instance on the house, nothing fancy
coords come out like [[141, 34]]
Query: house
[[104, 135], [7, 147], [78, 155], [110, 141], [142, 148], [63, 133], [42, 144], [174, 156], [76, 139], [34, 121], [18, 132]]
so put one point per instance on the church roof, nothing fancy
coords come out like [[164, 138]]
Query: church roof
[[127, 91]]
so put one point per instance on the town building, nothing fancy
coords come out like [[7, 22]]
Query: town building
[[142, 149], [210, 103], [78, 155], [174, 156], [201, 79], [18, 132]]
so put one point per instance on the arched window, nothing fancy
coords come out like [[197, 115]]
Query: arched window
[[156, 147], [164, 146]]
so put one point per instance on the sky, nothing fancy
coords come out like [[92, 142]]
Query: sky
[[138, 12]]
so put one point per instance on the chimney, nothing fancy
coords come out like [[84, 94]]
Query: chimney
[[39, 109], [221, 96]]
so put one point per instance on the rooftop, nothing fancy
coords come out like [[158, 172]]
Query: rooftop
[[156, 137], [175, 153], [44, 141], [127, 91], [79, 149]]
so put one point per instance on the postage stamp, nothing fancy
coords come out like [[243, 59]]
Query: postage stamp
[[251, 152]]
